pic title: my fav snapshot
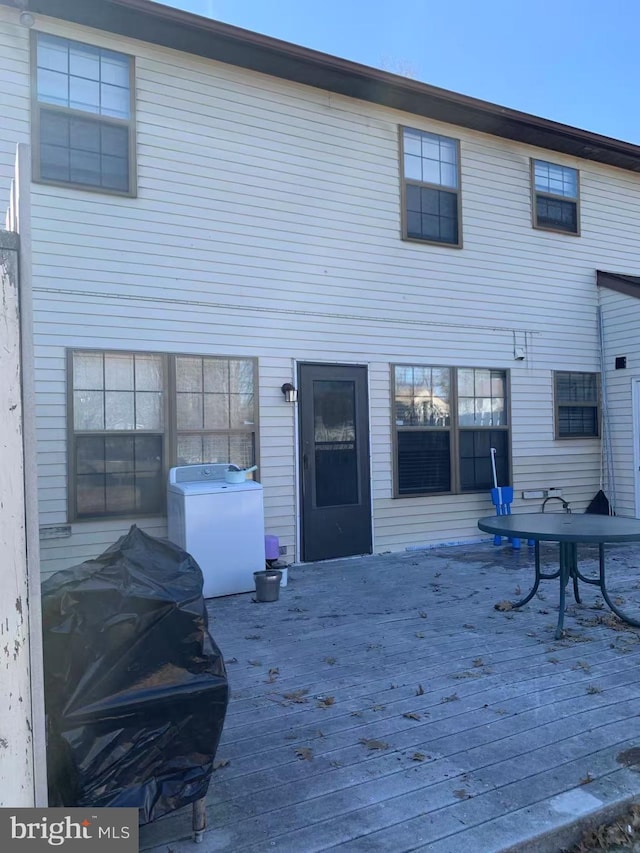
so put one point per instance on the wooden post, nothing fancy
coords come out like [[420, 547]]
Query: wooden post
[[16, 741]]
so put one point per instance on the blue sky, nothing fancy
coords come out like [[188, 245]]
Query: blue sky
[[575, 61]]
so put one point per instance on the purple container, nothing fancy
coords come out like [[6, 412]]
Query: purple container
[[271, 547]]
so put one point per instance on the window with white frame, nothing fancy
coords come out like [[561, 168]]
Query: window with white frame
[[430, 187], [83, 115], [577, 404], [555, 197], [446, 420], [134, 415]]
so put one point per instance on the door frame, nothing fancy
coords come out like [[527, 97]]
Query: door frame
[[296, 449]]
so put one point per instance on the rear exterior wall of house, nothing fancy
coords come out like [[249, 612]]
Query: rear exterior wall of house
[[267, 225]]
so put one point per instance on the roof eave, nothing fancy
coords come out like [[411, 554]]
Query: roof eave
[[163, 25]]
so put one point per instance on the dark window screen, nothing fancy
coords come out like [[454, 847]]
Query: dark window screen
[[577, 421], [424, 462], [559, 214], [475, 458], [116, 474], [83, 151], [432, 214]]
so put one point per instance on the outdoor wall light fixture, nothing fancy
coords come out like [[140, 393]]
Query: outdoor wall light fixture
[[27, 19], [290, 393]]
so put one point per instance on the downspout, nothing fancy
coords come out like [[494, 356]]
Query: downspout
[[606, 449]]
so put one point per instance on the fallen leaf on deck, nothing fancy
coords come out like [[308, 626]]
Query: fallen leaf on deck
[[231, 660], [593, 688], [356, 713], [273, 674], [420, 690], [412, 715], [453, 698], [418, 756], [330, 661], [255, 663], [503, 605], [325, 701], [304, 753], [478, 662], [420, 635], [252, 636], [422, 614], [373, 744], [586, 779], [291, 736], [297, 696], [467, 625], [223, 762], [461, 794], [378, 707]]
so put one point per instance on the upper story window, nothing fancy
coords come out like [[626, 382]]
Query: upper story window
[[431, 187], [555, 197], [83, 126]]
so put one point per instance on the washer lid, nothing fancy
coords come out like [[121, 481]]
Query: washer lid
[[213, 487]]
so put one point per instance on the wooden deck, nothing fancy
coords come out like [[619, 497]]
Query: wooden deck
[[384, 704]]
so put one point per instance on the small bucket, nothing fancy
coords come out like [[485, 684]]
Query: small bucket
[[267, 584]]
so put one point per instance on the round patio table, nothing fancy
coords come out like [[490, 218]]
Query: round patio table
[[568, 530]]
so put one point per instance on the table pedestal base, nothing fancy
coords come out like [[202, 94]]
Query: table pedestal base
[[568, 569]]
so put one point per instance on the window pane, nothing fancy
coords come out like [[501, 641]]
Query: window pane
[[114, 173], [84, 95], [190, 450], [148, 454], [114, 101], [216, 375], [53, 53], [118, 371], [54, 129], [241, 376], [336, 469], [190, 412], [412, 142], [120, 494], [85, 135], [118, 454], [85, 168], [215, 448], [88, 370], [90, 454], [53, 87], [412, 168], [148, 410], [188, 374], [431, 172], [216, 411], [242, 411], [448, 175], [114, 68], [475, 458], [242, 450], [88, 410], [404, 381], [115, 141], [404, 411], [148, 370], [466, 411], [119, 410], [482, 383], [84, 61], [424, 463], [466, 382], [90, 495]]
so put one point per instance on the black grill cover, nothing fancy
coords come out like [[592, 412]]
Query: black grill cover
[[135, 686]]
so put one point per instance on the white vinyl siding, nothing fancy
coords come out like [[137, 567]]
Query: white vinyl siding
[[267, 225], [621, 320]]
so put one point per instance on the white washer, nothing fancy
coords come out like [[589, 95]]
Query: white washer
[[220, 524]]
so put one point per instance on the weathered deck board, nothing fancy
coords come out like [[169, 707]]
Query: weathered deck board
[[519, 732]]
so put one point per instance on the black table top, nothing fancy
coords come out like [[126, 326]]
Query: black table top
[[563, 527]]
